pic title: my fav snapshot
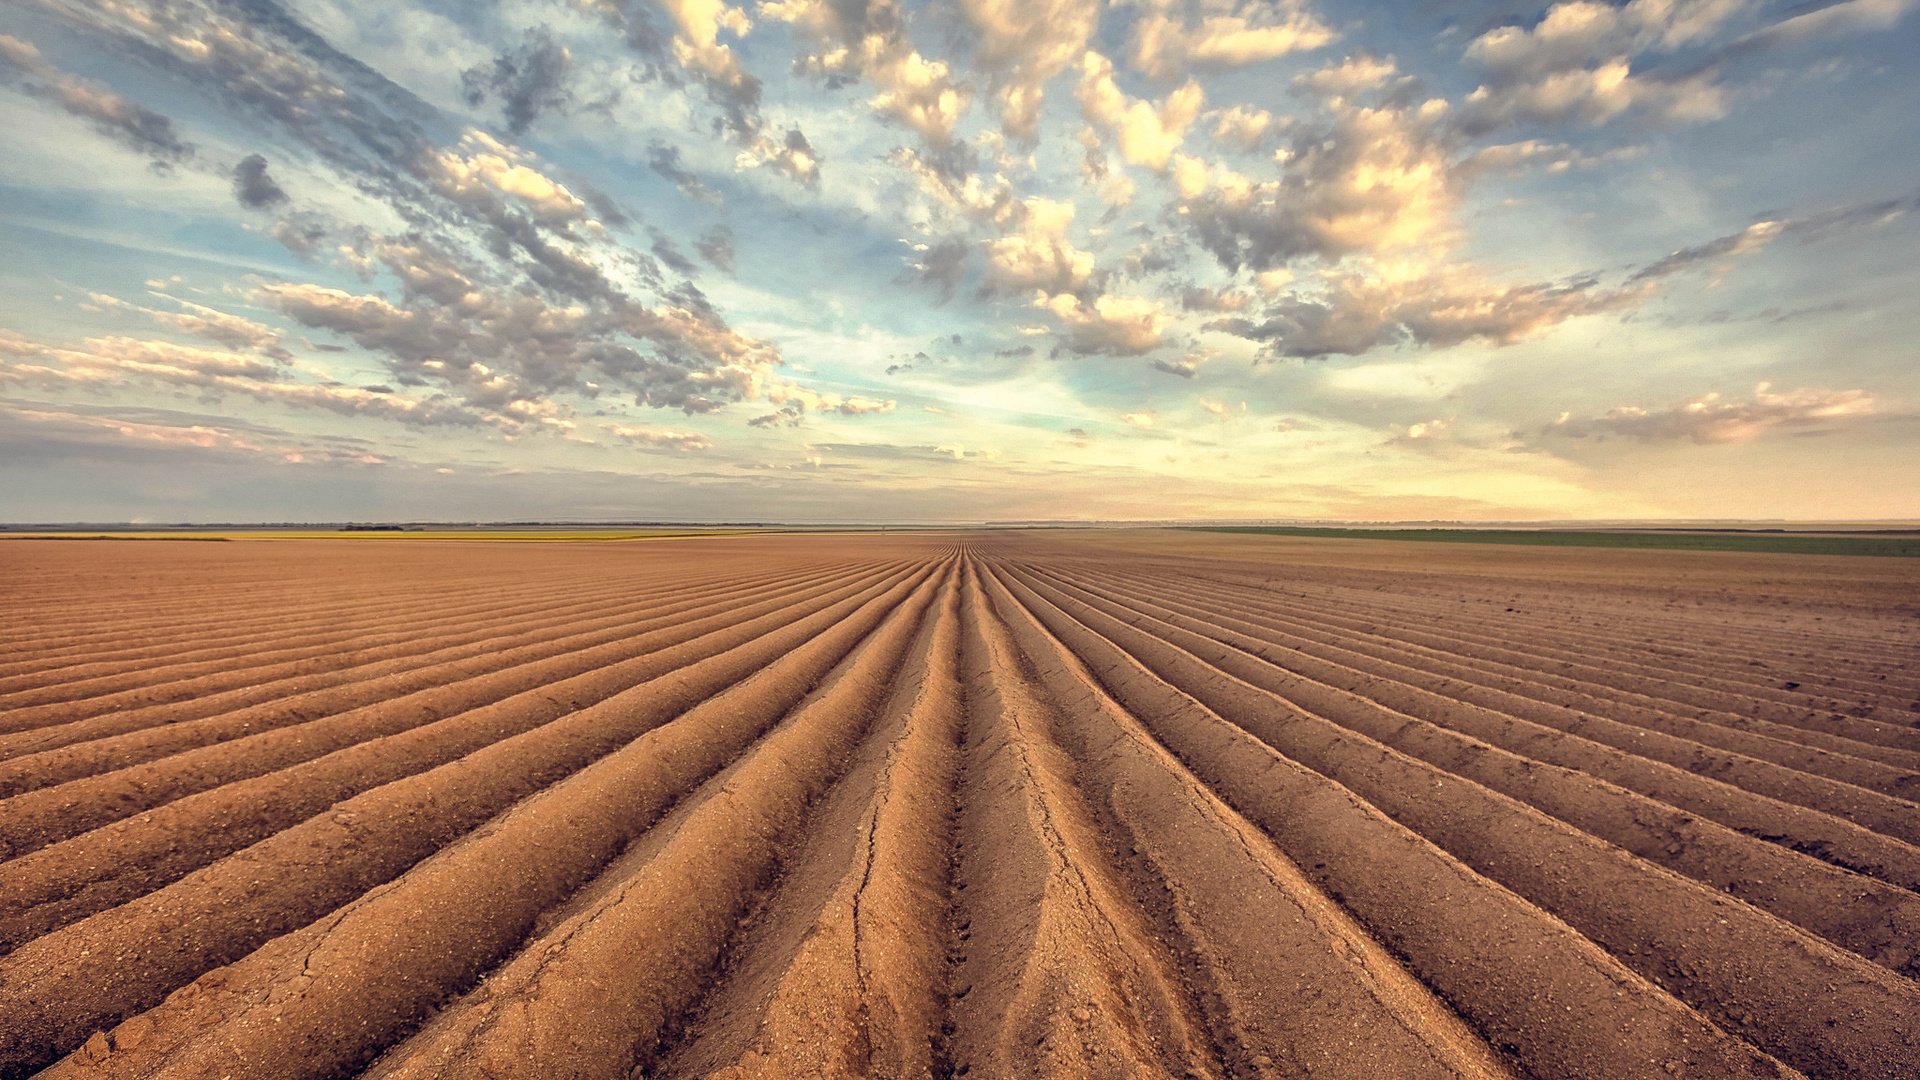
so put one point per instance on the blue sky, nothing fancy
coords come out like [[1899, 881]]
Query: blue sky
[[804, 260]]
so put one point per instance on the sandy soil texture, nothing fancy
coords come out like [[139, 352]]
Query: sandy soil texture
[[1093, 803]]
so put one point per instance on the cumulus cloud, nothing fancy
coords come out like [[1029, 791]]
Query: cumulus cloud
[[795, 401], [135, 126], [1367, 180], [871, 41], [1171, 39], [1020, 45], [253, 187], [1576, 63], [1036, 254], [1113, 325], [513, 285], [1350, 77], [942, 264], [1241, 127], [1147, 133], [515, 346], [1711, 418], [528, 80]]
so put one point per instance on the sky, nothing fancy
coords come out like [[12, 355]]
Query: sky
[[824, 260]]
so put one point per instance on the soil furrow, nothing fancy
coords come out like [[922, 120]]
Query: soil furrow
[[1871, 918], [1795, 746], [47, 756], [1722, 956], [57, 988], [1246, 917], [1396, 685], [841, 977]]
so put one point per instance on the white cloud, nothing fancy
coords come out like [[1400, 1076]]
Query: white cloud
[[1116, 325], [1711, 418], [1147, 134], [1021, 45], [1167, 44]]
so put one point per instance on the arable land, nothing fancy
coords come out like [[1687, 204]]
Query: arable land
[[1074, 803]]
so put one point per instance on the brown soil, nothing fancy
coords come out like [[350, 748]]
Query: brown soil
[[1075, 804]]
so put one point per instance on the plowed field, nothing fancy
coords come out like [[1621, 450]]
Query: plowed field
[[1100, 804]]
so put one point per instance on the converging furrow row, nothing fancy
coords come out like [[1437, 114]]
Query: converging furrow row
[[932, 805]]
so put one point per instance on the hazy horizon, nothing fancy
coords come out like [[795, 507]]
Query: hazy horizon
[[801, 261]]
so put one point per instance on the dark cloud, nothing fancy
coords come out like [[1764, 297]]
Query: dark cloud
[[527, 81], [253, 187], [1808, 229], [788, 415], [943, 266], [1356, 314], [665, 160], [669, 254], [716, 246], [134, 126]]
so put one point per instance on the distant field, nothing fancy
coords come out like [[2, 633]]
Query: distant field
[[515, 535], [1784, 543]]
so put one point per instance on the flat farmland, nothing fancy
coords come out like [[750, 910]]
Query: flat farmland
[[1077, 803]]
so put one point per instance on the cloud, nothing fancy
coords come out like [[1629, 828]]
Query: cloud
[[942, 264], [716, 246], [1352, 76], [513, 346], [253, 187], [134, 126], [665, 160], [1200, 298], [1241, 127], [528, 80], [110, 363], [1035, 252], [136, 436], [1368, 180], [1147, 134], [202, 321], [1760, 234], [488, 176], [1112, 325], [1358, 312], [1167, 44], [1576, 63], [1711, 418], [1846, 17], [1020, 45], [796, 401], [870, 40], [792, 155], [655, 439]]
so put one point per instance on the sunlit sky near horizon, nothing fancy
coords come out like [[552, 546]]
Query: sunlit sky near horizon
[[991, 260]]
